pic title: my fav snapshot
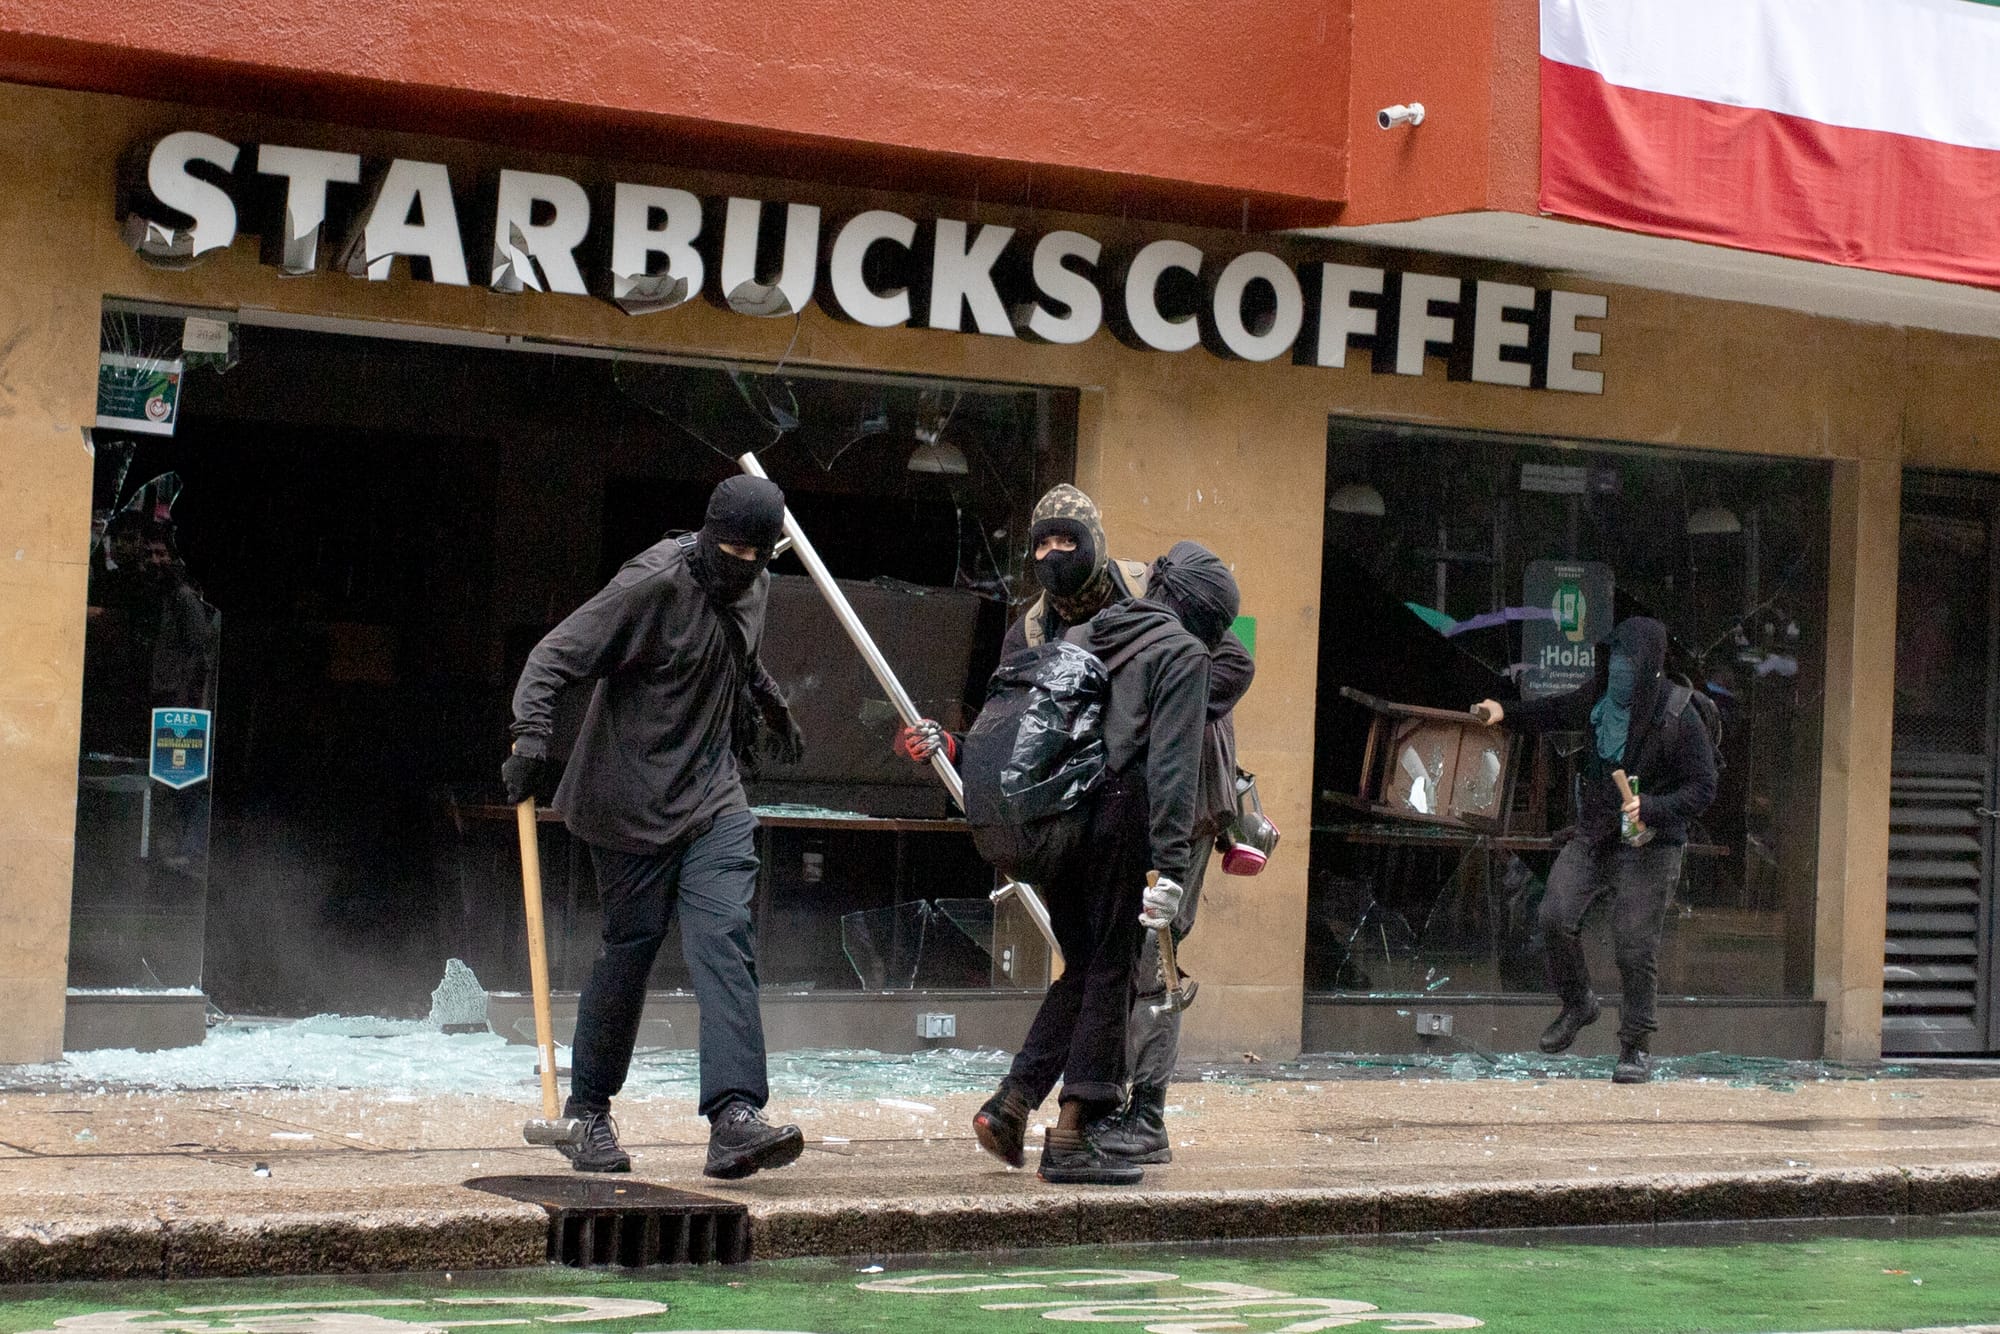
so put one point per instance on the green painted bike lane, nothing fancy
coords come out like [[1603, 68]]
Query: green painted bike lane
[[1935, 1276]]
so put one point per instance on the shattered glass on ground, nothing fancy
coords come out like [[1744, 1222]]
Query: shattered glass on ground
[[1474, 1062], [415, 1056]]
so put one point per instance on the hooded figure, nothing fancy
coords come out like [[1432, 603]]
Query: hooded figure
[[742, 512], [653, 788], [1192, 582], [1642, 724], [1078, 583], [1139, 821]]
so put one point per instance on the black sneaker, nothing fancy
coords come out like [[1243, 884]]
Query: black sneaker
[[1573, 1020], [598, 1151], [741, 1141], [1081, 1163], [1138, 1132], [1000, 1124], [1635, 1064]]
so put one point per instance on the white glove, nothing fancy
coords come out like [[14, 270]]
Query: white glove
[[1162, 900]]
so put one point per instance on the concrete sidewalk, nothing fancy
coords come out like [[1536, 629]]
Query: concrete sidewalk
[[128, 1183]]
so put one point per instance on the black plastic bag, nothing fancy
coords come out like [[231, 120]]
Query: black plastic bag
[[1033, 757]]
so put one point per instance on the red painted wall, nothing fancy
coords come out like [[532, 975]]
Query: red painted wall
[[1478, 77], [1244, 112]]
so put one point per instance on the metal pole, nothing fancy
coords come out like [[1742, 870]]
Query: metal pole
[[885, 677]]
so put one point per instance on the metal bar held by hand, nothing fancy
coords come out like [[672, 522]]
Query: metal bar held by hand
[[899, 698]]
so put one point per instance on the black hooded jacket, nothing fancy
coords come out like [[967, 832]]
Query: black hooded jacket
[[1154, 718], [1668, 753], [654, 758], [1230, 665]]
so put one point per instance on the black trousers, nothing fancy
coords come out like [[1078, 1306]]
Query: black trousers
[[710, 877], [1641, 883], [1078, 1035]]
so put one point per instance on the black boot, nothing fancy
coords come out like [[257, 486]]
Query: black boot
[[1072, 1160], [741, 1141], [598, 1150], [1635, 1063], [1573, 1020], [1138, 1133], [1001, 1122]]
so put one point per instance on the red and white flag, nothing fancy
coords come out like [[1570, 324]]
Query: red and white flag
[[1856, 132]]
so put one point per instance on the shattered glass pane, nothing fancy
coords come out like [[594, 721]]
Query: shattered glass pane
[[958, 949], [459, 1002], [885, 945], [1419, 796], [1384, 949], [1479, 783], [972, 917]]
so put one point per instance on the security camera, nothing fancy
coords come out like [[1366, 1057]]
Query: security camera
[[1389, 118]]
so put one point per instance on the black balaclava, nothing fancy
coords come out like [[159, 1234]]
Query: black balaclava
[[743, 511], [1077, 583], [1197, 587]]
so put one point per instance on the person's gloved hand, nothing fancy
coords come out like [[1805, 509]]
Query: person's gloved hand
[[522, 773], [1162, 900], [917, 744], [783, 741]]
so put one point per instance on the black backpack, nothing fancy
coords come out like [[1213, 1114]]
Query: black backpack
[[1680, 694], [1036, 754]]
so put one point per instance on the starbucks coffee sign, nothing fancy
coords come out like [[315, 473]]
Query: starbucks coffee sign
[[651, 248]]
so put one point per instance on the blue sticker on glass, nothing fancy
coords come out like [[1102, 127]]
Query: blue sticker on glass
[[180, 746]]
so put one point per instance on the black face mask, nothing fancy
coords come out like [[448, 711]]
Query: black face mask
[[725, 578], [743, 511], [1064, 573]]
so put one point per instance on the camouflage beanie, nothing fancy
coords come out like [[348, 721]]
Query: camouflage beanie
[[1068, 512]]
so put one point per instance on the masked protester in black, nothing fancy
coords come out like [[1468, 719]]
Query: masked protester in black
[[1637, 721], [1068, 557], [1194, 583], [653, 787]]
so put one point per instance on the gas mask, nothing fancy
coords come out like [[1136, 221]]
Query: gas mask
[[1251, 837]]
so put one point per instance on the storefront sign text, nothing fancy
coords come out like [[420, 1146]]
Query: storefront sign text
[[653, 247]]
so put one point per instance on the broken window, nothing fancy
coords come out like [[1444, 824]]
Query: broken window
[[1459, 567], [388, 527]]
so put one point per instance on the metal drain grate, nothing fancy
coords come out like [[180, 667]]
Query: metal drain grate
[[606, 1223]]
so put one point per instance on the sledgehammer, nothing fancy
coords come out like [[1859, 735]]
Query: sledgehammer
[[550, 1130], [1180, 991]]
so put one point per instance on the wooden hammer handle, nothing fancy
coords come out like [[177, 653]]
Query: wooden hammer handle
[[538, 950], [1170, 972]]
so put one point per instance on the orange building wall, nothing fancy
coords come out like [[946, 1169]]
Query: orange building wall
[[1111, 102], [1256, 115]]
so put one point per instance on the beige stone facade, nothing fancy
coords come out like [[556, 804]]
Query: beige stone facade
[[1172, 446]]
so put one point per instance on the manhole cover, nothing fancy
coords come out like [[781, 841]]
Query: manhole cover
[[603, 1222]]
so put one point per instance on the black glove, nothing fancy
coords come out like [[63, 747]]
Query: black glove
[[521, 775], [783, 741]]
